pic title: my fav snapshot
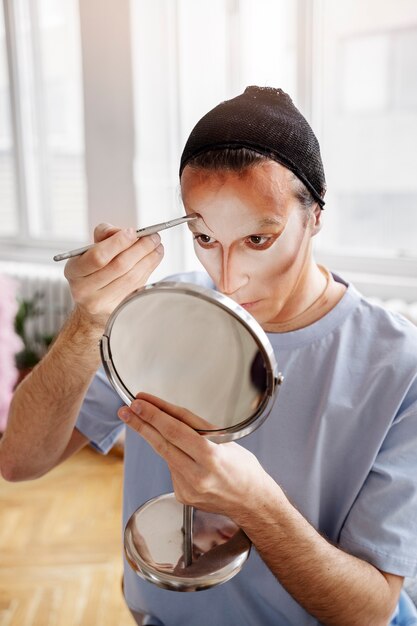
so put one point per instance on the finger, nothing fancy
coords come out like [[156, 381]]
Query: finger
[[121, 265], [100, 254], [115, 291], [104, 230], [172, 429], [174, 456], [179, 412]]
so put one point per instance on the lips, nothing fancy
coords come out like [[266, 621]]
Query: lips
[[248, 305]]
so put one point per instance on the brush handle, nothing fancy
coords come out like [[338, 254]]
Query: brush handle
[[141, 232]]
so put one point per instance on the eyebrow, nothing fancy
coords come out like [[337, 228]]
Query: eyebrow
[[196, 225], [266, 221], [270, 221]]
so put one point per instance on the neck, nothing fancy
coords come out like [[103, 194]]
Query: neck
[[310, 284]]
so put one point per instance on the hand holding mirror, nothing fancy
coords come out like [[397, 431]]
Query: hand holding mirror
[[198, 349]]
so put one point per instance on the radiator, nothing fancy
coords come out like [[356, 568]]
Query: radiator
[[55, 302]]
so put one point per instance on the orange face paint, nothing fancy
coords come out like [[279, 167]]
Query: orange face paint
[[253, 239]]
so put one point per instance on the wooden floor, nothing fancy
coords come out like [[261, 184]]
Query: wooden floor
[[60, 546]]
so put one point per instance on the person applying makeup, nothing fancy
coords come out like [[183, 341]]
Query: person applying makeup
[[327, 489]]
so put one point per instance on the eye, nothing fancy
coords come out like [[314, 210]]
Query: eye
[[204, 240], [260, 242]]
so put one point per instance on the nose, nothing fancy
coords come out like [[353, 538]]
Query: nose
[[232, 274]]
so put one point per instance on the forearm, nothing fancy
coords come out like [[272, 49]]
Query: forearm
[[336, 587], [46, 404]]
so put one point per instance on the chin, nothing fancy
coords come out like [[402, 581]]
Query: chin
[[266, 317], [261, 317]]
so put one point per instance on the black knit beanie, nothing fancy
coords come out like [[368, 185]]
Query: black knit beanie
[[265, 120]]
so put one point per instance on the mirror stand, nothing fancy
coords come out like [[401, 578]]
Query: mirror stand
[[182, 548], [187, 529]]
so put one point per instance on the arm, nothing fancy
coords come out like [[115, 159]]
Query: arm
[[330, 584], [46, 404]]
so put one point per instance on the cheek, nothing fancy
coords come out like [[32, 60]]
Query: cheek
[[280, 260], [199, 252], [208, 258]]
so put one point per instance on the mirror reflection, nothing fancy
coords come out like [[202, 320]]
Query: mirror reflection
[[191, 351], [157, 551]]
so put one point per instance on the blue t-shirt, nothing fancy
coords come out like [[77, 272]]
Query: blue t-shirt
[[341, 441]]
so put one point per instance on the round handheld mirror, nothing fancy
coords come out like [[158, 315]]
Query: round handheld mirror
[[198, 349]]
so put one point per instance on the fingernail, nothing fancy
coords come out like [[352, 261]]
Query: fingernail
[[156, 238], [136, 407], [124, 413], [160, 249], [130, 233]]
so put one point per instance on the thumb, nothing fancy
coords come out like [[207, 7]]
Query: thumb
[[104, 230]]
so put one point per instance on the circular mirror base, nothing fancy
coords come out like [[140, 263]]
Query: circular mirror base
[[154, 546]]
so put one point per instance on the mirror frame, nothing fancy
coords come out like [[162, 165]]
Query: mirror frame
[[274, 378]]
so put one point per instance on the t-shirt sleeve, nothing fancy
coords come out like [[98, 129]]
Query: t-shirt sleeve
[[98, 418], [381, 527]]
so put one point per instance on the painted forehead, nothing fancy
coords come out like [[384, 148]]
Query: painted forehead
[[268, 185], [266, 171], [264, 191]]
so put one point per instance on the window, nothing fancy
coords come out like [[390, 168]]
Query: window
[[365, 113], [45, 194], [8, 213], [152, 68]]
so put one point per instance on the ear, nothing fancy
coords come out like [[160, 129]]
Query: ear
[[315, 220]]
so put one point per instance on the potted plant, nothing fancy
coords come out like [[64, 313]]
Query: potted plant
[[10, 343], [34, 344]]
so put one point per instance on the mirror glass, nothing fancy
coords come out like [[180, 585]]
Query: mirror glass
[[193, 347]]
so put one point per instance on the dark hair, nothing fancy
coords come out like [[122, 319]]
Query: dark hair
[[239, 160], [227, 159]]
